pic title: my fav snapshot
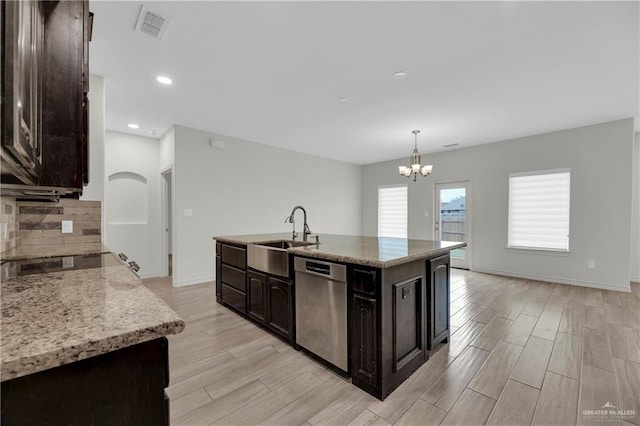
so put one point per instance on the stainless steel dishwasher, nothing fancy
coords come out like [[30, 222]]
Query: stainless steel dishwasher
[[321, 309]]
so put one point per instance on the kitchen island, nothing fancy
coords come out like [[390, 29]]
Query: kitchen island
[[396, 298], [83, 341]]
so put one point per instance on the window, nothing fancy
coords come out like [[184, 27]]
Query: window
[[539, 210], [392, 211]]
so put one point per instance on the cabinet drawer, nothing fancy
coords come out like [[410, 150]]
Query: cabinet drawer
[[234, 278], [364, 281], [234, 298], [234, 256]]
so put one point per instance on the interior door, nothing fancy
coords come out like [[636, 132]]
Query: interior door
[[453, 219]]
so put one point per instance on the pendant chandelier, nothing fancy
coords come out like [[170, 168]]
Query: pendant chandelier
[[415, 167]]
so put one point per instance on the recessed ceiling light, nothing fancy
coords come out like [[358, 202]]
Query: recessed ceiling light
[[152, 132], [133, 126], [399, 75], [343, 100], [164, 80]]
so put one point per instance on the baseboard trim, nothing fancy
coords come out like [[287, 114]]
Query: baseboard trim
[[151, 276], [554, 280], [194, 281]]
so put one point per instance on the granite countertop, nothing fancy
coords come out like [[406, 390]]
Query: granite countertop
[[57, 318], [42, 251], [371, 251]]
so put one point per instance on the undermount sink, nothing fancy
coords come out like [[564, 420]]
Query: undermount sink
[[272, 257]]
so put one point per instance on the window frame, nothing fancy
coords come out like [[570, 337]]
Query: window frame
[[540, 250]]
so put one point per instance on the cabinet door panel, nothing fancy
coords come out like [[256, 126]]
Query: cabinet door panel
[[438, 329], [280, 310], [407, 321], [364, 339], [62, 95], [256, 296]]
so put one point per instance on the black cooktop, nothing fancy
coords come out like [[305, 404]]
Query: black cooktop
[[18, 268]]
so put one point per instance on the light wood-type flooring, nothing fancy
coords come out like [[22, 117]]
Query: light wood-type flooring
[[521, 352]]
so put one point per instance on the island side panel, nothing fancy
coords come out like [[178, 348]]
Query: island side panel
[[403, 310]]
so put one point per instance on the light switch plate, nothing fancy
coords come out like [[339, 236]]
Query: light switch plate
[[188, 212], [67, 227]]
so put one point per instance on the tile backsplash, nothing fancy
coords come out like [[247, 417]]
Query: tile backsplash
[[7, 224], [39, 223]]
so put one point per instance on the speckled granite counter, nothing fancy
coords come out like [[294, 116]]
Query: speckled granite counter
[[57, 318], [37, 252], [371, 251]]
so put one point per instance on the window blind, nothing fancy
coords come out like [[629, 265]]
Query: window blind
[[392, 211], [539, 210]]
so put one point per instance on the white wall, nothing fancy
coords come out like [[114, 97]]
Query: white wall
[[95, 189], [249, 188], [136, 232], [600, 159], [635, 214]]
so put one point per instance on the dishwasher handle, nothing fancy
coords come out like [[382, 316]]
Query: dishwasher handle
[[320, 268], [332, 271]]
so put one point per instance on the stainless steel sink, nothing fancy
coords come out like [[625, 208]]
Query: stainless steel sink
[[272, 257]]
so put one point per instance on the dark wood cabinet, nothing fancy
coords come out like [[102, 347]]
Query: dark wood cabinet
[[232, 275], [364, 340], [387, 325], [280, 302], [408, 319], [45, 81], [22, 54], [270, 302], [257, 296], [124, 387], [438, 303]]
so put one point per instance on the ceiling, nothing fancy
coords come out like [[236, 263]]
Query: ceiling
[[274, 72]]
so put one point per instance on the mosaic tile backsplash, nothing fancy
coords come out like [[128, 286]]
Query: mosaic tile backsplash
[[40, 223], [7, 224]]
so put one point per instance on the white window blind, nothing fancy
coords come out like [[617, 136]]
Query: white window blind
[[392, 211], [539, 210]]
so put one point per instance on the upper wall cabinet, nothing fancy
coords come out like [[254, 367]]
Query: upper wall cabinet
[[45, 75]]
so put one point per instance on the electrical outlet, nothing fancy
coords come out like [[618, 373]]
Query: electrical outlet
[[591, 264], [67, 227], [67, 262], [188, 212]]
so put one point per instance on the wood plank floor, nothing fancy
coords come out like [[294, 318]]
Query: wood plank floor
[[522, 352]]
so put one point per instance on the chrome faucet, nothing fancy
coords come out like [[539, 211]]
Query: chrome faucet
[[290, 219]]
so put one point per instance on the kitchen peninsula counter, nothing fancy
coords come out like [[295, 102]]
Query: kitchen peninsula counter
[[92, 333]]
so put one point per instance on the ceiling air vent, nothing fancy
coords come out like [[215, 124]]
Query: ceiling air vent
[[152, 23]]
